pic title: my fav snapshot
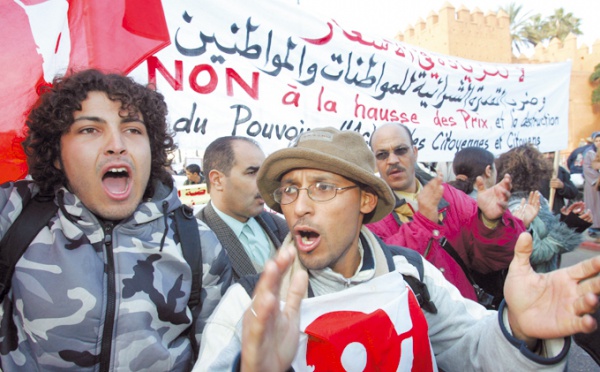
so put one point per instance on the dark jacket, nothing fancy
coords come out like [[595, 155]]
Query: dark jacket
[[568, 192], [275, 227]]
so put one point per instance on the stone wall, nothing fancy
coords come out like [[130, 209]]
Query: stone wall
[[471, 34]]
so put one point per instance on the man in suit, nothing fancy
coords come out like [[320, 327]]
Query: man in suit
[[236, 211]]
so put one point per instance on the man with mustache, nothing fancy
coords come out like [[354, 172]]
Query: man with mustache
[[434, 218], [236, 211]]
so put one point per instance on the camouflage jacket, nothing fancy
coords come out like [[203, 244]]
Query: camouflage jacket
[[89, 295]]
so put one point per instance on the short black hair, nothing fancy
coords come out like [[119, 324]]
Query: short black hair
[[219, 155], [193, 168]]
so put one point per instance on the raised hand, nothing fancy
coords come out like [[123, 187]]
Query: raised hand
[[269, 335], [550, 305], [430, 197], [528, 209], [578, 208], [493, 201], [557, 183]]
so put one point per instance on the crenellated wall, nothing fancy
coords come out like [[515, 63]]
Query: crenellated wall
[[462, 33], [486, 37]]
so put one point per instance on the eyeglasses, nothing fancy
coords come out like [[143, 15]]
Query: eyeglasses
[[398, 151], [319, 192]]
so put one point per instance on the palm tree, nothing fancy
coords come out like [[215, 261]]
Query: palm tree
[[595, 80], [526, 30], [561, 24], [536, 29], [517, 24]]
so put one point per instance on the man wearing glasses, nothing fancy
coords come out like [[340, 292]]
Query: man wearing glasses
[[347, 307], [443, 224]]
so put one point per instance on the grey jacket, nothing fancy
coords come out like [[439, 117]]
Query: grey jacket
[[275, 227], [89, 295]]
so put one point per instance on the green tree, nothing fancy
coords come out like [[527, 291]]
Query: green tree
[[518, 21], [595, 80], [536, 29], [531, 30], [560, 24]]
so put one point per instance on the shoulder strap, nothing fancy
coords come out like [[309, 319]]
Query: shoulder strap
[[483, 297], [265, 220], [249, 283], [269, 221], [34, 216], [191, 248], [421, 293], [452, 252], [417, 285], [413, 257]]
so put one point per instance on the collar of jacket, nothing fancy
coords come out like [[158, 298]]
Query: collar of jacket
[[399, 202], [77, 218]]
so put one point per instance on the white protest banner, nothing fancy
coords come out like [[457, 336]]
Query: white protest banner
[[267, 70]]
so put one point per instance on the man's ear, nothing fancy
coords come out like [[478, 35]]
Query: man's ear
[[216, 179], [368, 201]]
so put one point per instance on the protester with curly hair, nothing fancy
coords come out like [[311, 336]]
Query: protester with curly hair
[[104, 284], [527, 166]]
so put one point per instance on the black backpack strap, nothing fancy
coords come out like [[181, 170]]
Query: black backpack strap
[[268, 218], [415, 259], [249, 283], [34, 216], [191, 248], [421, 293], [416, 284], [483, 297], [273, 230]]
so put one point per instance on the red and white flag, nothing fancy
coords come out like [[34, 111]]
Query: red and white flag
[[42, 38], [376, 326]]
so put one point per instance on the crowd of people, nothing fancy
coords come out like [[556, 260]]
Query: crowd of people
[[370, 263]]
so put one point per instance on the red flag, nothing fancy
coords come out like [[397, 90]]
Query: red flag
[[42, 38], [376, 326]]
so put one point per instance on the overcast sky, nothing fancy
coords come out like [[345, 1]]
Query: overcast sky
[[386, 18]]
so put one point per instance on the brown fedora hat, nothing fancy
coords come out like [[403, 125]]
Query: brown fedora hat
[[328, 149]]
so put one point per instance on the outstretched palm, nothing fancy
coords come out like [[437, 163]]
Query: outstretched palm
[[270, 336], [550, 305]]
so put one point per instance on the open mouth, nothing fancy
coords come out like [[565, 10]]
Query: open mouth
[[308, 237], [307, 240], [116, 181]]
